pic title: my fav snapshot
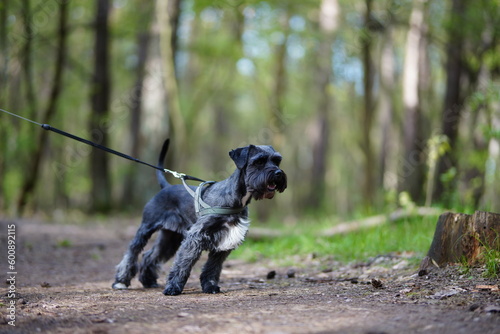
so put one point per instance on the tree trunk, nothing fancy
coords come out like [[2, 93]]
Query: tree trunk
[[174, 13], [4, 56], [328, 23], [492, 171], [474, 186], [129, 190], [387, 74], [369, 171], [452, 102], [280, 78], [462, 238], [481, 183], [226, 96], [100, 102], [3, 94], [31, 97], [31, 179], [412, 169], [178, 131]]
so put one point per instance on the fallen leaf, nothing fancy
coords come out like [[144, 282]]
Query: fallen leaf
[[377, 284]]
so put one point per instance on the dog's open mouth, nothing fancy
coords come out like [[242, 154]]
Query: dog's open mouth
[[271, 187]]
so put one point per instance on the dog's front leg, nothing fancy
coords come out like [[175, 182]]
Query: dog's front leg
[[189, 252], [210, 274]]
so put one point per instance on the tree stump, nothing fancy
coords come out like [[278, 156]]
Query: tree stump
[[463, 238]]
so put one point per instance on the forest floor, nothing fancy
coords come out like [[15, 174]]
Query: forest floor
[[64, 276]]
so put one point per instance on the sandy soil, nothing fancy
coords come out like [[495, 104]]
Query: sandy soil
[[64, 274]]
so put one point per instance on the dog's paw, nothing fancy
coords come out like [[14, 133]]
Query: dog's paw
[[211, 289], [172, 291], [119, 286]]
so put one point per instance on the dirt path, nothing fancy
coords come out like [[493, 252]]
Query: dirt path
[[64, 275]]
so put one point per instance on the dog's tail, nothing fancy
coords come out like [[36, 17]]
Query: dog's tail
[[159, 174]]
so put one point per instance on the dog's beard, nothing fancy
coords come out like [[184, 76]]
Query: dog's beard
[[265, 185]]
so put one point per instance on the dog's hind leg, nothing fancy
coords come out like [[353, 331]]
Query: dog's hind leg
[[127, 268], [210, 273], [165, 247]]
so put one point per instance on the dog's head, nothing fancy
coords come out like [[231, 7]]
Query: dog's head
[[261, 168]]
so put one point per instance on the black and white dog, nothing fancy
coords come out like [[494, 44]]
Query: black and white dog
[[186, 231]]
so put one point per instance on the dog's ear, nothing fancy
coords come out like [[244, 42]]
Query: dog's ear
[[240, 156]]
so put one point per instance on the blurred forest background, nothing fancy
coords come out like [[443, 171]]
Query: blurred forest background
[[374, 104]]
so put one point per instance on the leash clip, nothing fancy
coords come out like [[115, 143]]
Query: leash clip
[[175, 174]]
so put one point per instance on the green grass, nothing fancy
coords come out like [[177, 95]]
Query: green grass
[[491, 259], [412, 235], [492, 263]]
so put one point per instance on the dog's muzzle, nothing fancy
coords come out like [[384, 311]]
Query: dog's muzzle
[[277, 181]]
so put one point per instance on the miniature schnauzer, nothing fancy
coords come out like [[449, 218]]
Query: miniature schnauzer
[[185, 231]]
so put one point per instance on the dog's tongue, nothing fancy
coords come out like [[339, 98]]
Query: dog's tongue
[[270, 191], [271, 187]]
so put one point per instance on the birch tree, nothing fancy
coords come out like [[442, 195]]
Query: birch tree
[[320, 134], [412, 166]]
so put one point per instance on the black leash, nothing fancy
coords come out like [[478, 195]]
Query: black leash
[[201, 207], [47, 127]]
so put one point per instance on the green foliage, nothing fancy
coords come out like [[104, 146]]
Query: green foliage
[[465, 267], [227, 66], [449, 176], [490, 257], [492, 263], [12, 182], [438, 146], [408, 235], [405, 201]]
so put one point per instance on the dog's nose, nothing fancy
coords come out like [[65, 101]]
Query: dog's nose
[[278, 173]]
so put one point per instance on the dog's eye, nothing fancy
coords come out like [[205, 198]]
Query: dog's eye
[[260, 161], [276, 160]]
